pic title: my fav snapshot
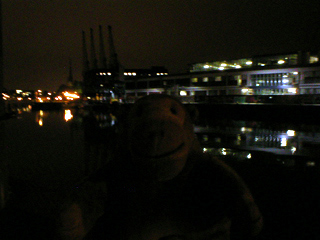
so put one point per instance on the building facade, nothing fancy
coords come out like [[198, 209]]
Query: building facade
[[269, 75]]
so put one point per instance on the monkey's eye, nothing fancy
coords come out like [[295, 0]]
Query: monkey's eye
[[139, 111], [174, 110]]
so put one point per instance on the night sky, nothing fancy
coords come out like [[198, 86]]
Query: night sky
[[41, 35]]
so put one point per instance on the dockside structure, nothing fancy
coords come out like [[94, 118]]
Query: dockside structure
[[103, 80], [259, 78]]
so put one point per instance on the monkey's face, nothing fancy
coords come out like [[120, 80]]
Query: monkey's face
[[160, 135]]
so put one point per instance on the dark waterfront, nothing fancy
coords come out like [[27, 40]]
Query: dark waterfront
[[49, 154]]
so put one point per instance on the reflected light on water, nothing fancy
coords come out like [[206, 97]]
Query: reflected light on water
[[67, 115], [39, 118]]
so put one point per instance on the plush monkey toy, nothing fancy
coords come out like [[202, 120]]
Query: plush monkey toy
[[169, 188]]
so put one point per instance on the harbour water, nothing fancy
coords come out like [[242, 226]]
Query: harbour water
[[47, 154]]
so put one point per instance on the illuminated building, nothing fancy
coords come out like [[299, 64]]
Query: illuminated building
[[268, 75], [103, 80]]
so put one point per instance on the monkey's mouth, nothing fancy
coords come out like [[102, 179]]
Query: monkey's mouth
[[156, 155]]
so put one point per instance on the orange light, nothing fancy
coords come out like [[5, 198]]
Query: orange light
[[67, 115]]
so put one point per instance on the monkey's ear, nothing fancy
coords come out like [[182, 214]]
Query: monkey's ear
[[193, 112]]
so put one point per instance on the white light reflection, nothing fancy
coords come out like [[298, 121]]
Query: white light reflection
[[224, 151], [310, 164], [293, 150]]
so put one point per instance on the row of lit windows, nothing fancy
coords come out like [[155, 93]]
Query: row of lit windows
[[310, 91], [130, 74], [274, 79], [275, 91], [290, 59], [103, 73], [127, 74], [222, 65], [218, 78], [161, 74], [257, 79]]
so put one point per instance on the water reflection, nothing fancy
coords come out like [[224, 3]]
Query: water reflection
[[49, 153], [282, 140], [67, 115]]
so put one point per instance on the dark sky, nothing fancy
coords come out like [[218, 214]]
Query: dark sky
[[41, 35]]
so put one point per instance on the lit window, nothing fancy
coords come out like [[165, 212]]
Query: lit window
[[238, 66], [221, 68], [292, 90], [248, 62], [109, 73], [281, 61], [245, 90], [206, 66], [285, 81], [283, 142], [313, 59], [291, 133], [194, 80], [183, 93], [205, 79], [134, 74], [158, 74], [223, 64], [125, 74]]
